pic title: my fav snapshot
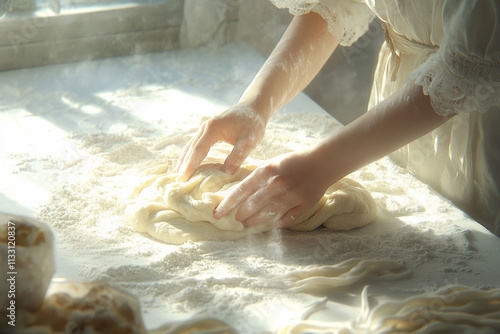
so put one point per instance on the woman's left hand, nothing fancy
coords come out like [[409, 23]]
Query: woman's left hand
[[283, 188]]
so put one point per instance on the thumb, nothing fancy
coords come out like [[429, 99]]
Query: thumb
[[240, 152]]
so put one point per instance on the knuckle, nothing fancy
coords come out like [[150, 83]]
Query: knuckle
[[286, 186], [208, 122], [208, 125], [281, 186], [267, 170]]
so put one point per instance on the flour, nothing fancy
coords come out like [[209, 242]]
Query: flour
[[137, 124], [222, 279]]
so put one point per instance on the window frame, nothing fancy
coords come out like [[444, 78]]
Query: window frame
[[44, 37]]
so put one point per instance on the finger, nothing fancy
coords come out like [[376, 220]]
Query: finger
[[256, 202], [270, 211], [195, 155], [240, 152], [273, 209], [187, 152], [238, 195], [186, 148], [290, 218]]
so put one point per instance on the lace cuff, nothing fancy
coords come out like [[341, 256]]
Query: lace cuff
[[346, 19], [457, 84]]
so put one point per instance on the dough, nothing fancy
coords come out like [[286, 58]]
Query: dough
[[31, 242], [175, 212], [195, 326], [349, 272], [452, 309], [92, 308]]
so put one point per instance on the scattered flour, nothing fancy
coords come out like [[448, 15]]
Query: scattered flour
[[224, 279], [125, 123]]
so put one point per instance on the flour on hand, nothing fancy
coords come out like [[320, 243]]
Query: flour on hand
[[175, 212]]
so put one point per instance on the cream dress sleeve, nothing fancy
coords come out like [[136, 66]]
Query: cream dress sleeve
[[347, 19], [451, 49], [464, 75]]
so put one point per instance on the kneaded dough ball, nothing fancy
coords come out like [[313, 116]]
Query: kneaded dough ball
[[91, 308], [175, 211], [27, 245]]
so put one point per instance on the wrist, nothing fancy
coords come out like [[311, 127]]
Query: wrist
[[255, 104], [324, 163]]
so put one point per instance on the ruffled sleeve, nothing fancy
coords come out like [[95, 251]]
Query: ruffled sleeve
[[464, 75], [347, 19]]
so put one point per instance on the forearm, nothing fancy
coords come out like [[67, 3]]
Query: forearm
[[295, 61], [393, 123]]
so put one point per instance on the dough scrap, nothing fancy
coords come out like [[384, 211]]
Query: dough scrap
[[92, 308], [195, 326], [176, 212], [34, 259]]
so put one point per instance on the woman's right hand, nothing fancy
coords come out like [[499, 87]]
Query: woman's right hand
[[241, 126]]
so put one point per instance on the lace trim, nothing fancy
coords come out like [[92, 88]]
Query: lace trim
[[472, 69], [457, 84], [354, 17]]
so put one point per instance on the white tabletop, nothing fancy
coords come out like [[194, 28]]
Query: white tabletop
[[74, 136]]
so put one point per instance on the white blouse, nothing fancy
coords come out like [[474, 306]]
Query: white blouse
[[452, 49], [463, 75]]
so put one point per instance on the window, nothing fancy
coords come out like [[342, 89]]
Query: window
[[41, 32], [56, 6]]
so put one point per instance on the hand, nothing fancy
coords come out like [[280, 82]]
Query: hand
[[283, 188], [242, 126]]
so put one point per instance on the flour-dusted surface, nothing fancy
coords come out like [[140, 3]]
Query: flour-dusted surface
[[77, 138]]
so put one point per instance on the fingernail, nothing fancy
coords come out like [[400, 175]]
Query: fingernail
[[182, 177], [182, 174]]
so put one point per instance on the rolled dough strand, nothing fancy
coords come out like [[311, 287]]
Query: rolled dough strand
[[346, 273], [195, 326], [317, 306], [447, 327], [458, 309], [349, 266], [316, 327], [450, 306], [458, 298]]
